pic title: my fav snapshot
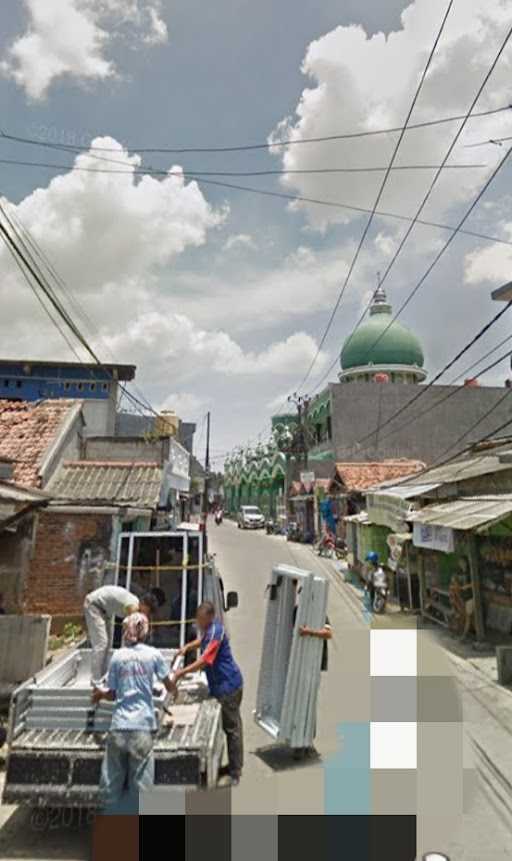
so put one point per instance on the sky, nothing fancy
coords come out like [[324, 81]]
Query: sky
[[221, 296]]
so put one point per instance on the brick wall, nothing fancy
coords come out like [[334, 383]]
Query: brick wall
[[70, 551]]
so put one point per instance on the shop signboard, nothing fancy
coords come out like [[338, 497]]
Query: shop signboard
[[307, 479], [433, 537], [388, 509], [396, 547]]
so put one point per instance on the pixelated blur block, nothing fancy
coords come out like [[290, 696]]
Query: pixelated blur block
[[393, 652], [393, 745], [347, 773], [115, 837]]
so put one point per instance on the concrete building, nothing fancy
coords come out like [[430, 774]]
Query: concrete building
[[381, 371], [97, 387]]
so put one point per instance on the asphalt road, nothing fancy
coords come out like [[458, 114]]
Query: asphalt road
[[272, 781]]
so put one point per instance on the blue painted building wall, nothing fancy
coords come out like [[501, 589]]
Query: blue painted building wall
[[33, 382]]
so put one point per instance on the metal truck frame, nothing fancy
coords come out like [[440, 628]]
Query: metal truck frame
[[56, 740]]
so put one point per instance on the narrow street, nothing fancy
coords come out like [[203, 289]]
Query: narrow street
[[273, 783]]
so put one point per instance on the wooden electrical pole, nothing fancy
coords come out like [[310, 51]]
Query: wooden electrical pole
[[206, 499]]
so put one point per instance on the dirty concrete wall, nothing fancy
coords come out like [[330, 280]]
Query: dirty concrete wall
[[359, 408], [15, 553], [69, 560], [126, 449], [18, 664]]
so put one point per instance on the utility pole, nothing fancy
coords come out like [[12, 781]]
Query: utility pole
[[301, 440], [206, 482]]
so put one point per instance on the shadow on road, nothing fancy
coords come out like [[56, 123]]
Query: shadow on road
[[40, 834], [281, 758]]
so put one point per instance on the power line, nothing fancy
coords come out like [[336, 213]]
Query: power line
[[31, 245], [455, 391], [443, 249], [28, 265], [495, 141], [433, 264], [378, 198], [478, 422], [246, 147], [277, 194], [433, 184], [438, 464], [199, 174], [423, 389]]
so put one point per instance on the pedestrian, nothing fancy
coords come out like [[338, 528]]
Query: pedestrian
[[128, 759], [376, 575], [100, 609], [225, 681]]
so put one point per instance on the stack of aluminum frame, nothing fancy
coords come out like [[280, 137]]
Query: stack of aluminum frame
[[289, 680]]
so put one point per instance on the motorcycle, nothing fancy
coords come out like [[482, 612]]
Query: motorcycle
[[293, 533], [380, 598], [326, 546], [340, 549], [218, 517], [270, 527]]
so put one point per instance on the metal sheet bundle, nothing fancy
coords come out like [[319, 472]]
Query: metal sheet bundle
[[290, 668]]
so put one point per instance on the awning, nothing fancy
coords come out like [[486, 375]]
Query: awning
[[362, 517], [477, 512]]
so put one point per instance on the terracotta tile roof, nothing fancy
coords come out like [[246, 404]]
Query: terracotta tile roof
[[131, 483], [27, 430], [361, 476]]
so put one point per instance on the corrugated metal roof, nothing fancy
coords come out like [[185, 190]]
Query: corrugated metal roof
[[404, 491], [463, 469], [464, 514], [135, 483]]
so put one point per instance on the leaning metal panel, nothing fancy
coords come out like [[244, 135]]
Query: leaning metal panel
[[290, 667]]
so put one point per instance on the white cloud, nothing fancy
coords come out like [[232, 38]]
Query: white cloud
[[113, 239], [365, 83], [238, 240], [175, 341], [186, 405], [491, 264], [114, 231], [72, 37]]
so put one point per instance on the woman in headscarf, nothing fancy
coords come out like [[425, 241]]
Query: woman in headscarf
[[129, 752]]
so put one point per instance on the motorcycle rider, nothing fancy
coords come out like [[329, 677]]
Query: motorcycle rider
[[376, 577]]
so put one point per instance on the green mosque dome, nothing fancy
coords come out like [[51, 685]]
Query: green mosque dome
[[373, 343]]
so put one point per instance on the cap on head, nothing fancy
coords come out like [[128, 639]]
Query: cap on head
[[372, 557]]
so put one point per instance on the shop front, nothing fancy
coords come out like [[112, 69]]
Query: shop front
[[440, 559], [465, 560], [390, 509]]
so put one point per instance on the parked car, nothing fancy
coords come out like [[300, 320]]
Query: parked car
[[250, 517]]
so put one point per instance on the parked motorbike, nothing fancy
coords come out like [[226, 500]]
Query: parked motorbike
[[340, 549], [326, 545], [380, 599], [293, 533]]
